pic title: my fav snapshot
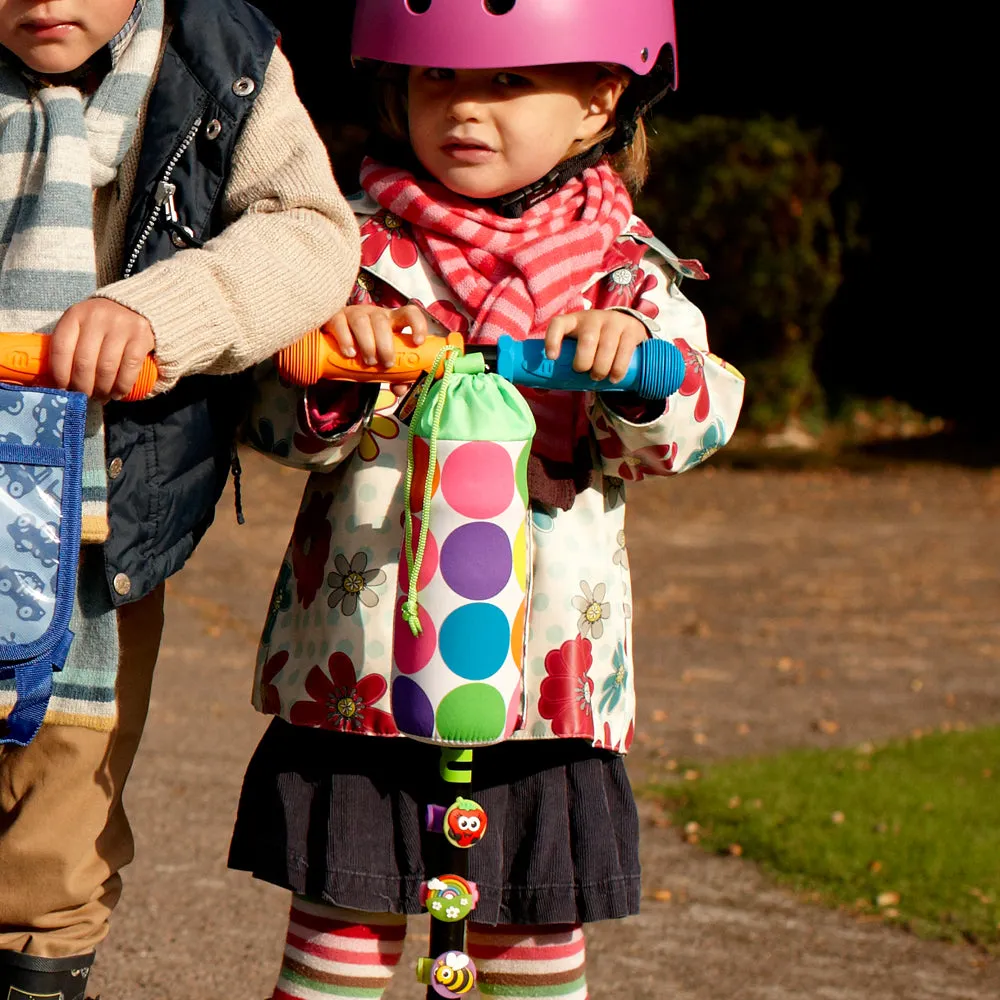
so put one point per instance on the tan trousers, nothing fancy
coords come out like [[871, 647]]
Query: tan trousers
[[63, 832]]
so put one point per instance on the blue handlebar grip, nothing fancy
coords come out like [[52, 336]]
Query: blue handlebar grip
[[656, 370]]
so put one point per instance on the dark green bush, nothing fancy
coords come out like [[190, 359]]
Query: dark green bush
[[751, 200]]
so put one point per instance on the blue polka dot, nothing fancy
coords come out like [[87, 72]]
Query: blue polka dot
[[539, 602], [475, 641], [375, 649], [367, 492], [554, 635]]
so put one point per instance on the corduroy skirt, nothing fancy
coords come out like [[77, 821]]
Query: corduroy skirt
[[341, 818]]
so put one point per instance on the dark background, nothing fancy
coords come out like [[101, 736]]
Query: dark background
[[907, 321]]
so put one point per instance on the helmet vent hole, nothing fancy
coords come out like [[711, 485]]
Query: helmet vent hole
[[644, 55], [419, 6], [499, 7]]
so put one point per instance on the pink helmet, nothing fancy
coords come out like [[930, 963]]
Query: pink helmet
[[481, 34]]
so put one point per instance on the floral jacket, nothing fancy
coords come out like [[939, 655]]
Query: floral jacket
[[325, 656]]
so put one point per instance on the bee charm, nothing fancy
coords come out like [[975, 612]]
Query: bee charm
[[453, 975]]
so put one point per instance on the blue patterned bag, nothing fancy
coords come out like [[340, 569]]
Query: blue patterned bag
[[41, 472]]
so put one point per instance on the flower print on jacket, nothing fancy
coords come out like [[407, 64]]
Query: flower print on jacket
[[352, 582], [447, 315], [281, 600], [711, 441], [620, 558], [694, 379], [311, 546], [565, 693], [386, 230], [614, 491], [594, 610], [340, 701], [634, 465], [369, 291], [627, 286], [270, 700], [380, 426], [614, 686]]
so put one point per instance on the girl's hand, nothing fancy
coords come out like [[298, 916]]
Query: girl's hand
[[605, 341], [98, 347], [369, 330]]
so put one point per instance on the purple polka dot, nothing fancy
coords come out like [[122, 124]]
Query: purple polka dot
[[411, 708], [476, 560]]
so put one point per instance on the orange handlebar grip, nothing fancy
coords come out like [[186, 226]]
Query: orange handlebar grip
[[24, 360], [317, 356]]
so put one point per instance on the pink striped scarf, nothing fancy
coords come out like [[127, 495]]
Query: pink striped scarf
[[513, 276]]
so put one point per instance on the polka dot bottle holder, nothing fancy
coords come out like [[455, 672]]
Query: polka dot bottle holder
[[459, 639]]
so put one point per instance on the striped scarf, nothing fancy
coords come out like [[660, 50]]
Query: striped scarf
[[513, 276], [58, 146]]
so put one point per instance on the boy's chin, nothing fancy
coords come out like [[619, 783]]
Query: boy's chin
[[55, 60]]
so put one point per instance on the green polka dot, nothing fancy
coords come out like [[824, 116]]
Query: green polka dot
[[555, 569], [375, 649], [367, 492], [585, 514], [521, 472], [472, 713], [538, 666], [311, 650], [298, 651], [293, 677], [346, 647], [539, 602], [394, 555], [554, 634], [333, 617], [539, 730], [352, 524], [324, 648]]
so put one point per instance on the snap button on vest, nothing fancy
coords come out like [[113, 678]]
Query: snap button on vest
[[244, 87], [115, 468], [122, 584], [213, 129]]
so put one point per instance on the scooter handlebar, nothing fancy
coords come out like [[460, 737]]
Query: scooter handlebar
[[24, 360], [656, 371]]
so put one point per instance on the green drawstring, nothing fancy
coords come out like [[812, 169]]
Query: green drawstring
[[411, 605]]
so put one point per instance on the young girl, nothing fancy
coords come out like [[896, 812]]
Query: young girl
[[498, 204]]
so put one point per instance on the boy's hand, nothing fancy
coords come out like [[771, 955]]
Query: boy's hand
[[605, 341], [368, 331], [98, 347]]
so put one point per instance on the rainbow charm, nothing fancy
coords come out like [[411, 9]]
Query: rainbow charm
[[449, 898]]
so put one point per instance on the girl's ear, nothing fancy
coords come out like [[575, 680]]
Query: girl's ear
[[601, 107]]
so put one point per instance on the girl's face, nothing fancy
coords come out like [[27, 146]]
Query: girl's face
[[484, 133], [59, 36]]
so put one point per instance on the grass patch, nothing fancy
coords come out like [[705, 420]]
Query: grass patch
[[910, 830]]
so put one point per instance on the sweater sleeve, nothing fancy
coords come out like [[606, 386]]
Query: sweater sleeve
[[284, 263]]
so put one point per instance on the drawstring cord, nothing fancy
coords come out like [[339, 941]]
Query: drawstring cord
[[411, 606]]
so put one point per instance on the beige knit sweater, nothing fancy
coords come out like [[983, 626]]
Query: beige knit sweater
[[284, 264]]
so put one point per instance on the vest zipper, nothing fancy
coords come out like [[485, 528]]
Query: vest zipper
[[164, 194]]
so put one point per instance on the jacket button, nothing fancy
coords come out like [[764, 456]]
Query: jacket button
[[115, 468], [244, 87], [213, 129], [122, 584]]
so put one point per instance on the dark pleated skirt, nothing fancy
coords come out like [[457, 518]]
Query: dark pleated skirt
[[340, 818]]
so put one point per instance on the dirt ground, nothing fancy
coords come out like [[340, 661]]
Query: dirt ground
[[773, 609]]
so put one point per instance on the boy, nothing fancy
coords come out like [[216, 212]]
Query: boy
[[161, 190]]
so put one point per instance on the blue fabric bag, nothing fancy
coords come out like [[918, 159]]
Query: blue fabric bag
[[41, 486]]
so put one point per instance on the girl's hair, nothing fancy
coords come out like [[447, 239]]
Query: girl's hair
[[630, 163]]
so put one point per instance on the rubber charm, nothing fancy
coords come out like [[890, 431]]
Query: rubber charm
[[453, 975], [449, 898], [464, 823]]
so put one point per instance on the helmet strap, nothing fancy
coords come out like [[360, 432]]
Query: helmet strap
[[516, 203]]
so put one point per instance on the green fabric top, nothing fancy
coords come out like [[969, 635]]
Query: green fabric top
[[479, 407]]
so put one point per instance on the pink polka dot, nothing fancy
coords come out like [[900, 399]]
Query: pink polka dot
[[427, 568], [410, 652], [478, 479]]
